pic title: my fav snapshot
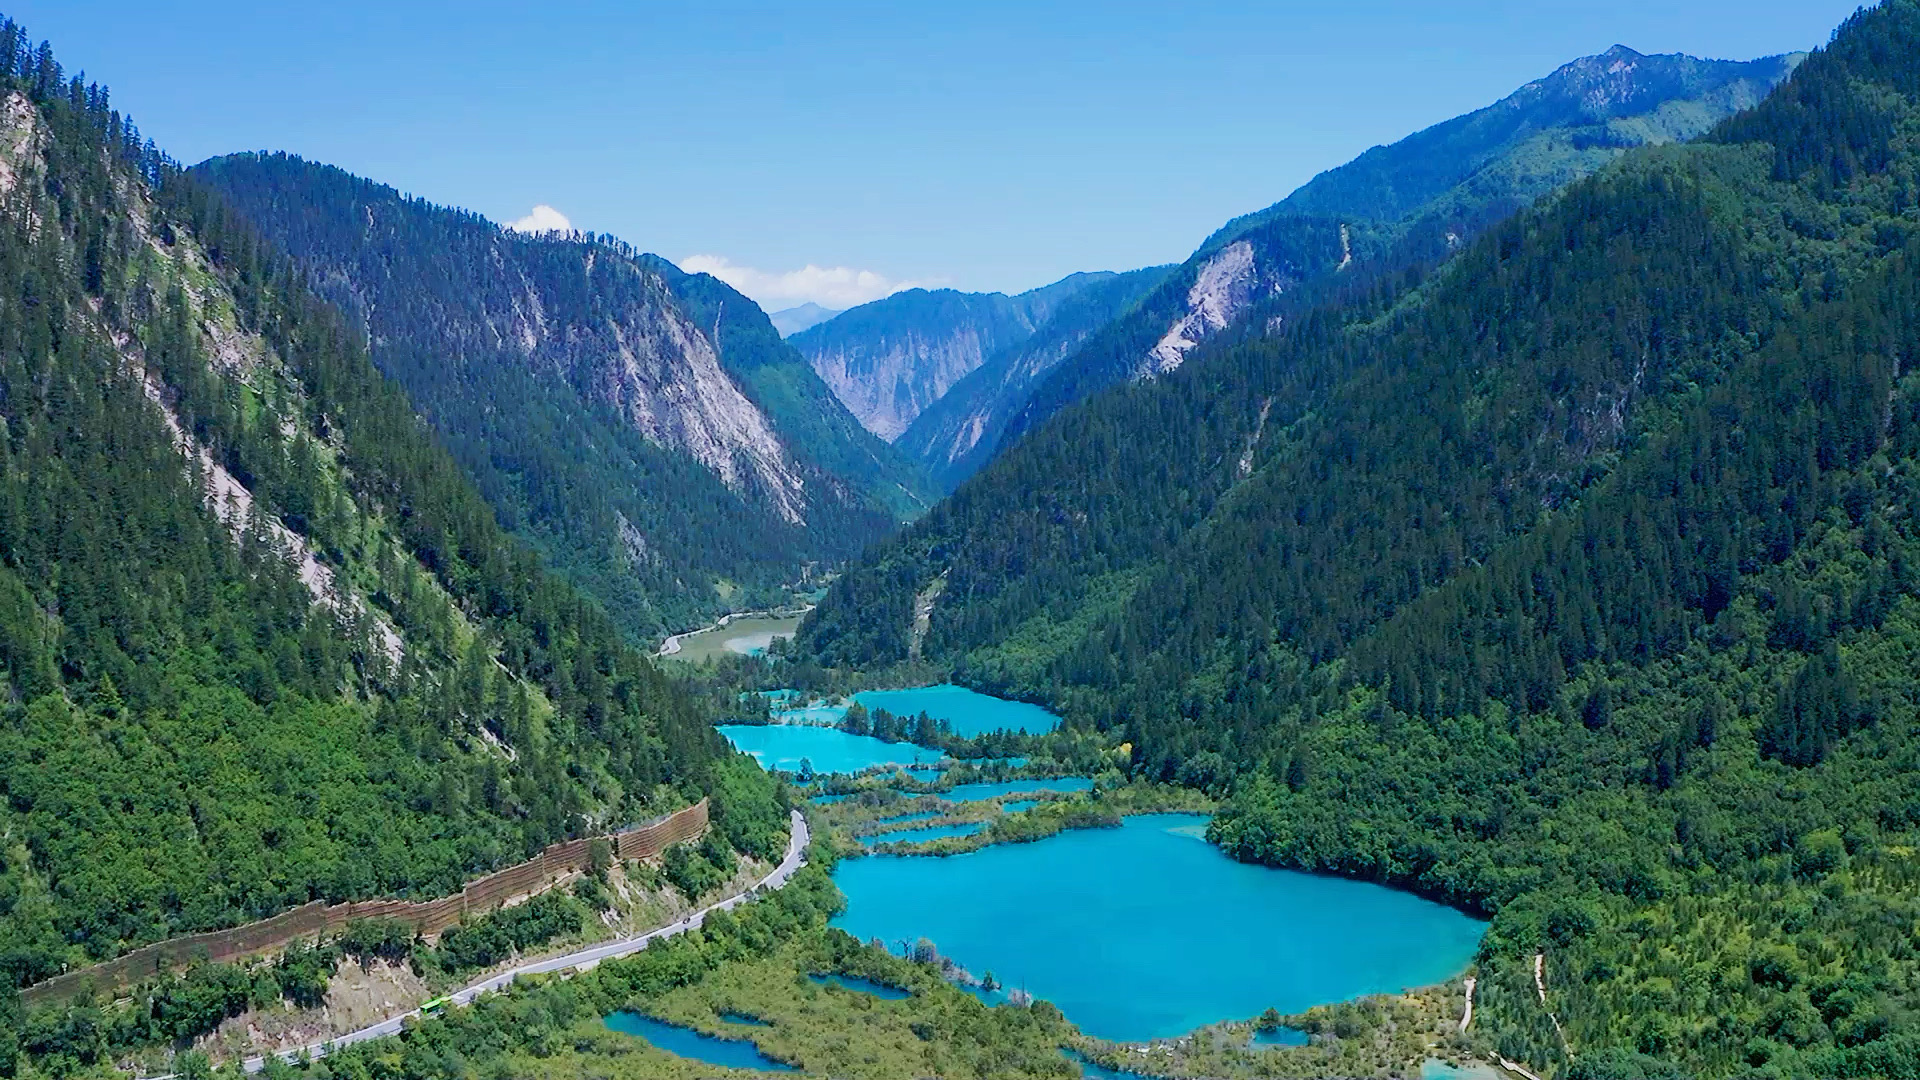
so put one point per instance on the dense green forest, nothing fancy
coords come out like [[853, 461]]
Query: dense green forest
[[340, 680], [1572, 582], [564, 373], [1416, 201]]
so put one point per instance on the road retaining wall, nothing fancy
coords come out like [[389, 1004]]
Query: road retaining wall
[[317, 918]]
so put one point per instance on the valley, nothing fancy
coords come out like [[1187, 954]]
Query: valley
[[1460, 622]]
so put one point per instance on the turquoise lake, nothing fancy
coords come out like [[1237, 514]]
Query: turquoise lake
[[968, 712], [687, 1043], [1147, 931], [995, 790], [783, 746]]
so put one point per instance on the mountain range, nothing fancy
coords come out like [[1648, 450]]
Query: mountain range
[[1410, 203], [949, 377], [1566, 579], [1521, 514], [647, 429], [890, 359]]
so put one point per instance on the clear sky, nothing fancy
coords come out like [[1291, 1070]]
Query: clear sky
[[982, 145]]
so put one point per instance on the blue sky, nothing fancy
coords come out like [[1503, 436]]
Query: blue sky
[[979, 145]]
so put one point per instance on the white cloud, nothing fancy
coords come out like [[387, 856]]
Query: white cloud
[[543, 218], [836, 287]]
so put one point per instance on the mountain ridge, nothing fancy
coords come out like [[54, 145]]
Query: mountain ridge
[[666, 450], [261, 642], [1409, 203], [890, 359]]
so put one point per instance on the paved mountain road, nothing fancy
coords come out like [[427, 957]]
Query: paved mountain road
[[578, 960]]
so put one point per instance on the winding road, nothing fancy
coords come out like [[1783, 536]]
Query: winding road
[[579, 960]]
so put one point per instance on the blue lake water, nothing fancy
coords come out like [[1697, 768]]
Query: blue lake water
[[1014, 806], [1093, 1070], [816, 715], [861, 986], [687, 1043], [977, 792], [927, 775], [783, 746], [969, 712], [1280, 1036], [825, 799], [1148, 931], [1435, 1069], [932, 832]]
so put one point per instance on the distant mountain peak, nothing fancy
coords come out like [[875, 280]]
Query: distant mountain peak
[[790, 321]]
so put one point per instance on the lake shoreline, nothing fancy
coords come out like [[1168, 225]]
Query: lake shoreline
[[1040, 916]]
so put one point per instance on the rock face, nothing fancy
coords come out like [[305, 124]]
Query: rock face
[[646, 427], [1224, 286], [648, 361], [961, 431], [888, 360]]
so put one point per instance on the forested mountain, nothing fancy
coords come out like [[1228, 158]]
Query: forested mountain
[[261, 641], [790, 321], [646, 429], [960, 431], [1572, 581], [890, 359], [1412, 203]]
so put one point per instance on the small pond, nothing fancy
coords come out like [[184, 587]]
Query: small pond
[[1435, 1069], [1205, 938], [1093, 1070], [1280, 1036], [862, 986], [1015, 806], [687, 1043], [742, 636]]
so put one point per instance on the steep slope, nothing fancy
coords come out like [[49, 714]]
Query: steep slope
[[890, 359], [1411, 203], [1571, 582], [960, 431], [260, 641], [790, 321], [663, 448]]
